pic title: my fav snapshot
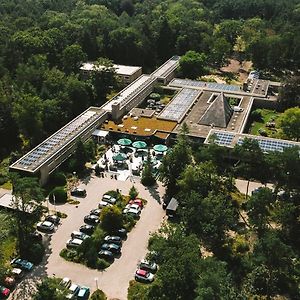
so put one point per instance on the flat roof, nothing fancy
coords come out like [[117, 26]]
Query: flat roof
[[38, 156], [230, 139], [129, 92], [179, 105], [120, 69], [169, 66], [142, 126], [6, 202]]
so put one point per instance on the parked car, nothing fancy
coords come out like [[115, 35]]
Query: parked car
[[53, 219], [134, 212], [135, 206], [95, 212], [143, 276], [79, 235], [109, 199], [22, 263], [4, 292], [66, 282], [9, 281], [122, 232], [74, 243], [103, 204], [36, 236], [83, 293], [77, 192], [105, 254], [17, 273], [138, 202], [148, 266], [91, 219], [45, 226], [87, 229], [114, 248], [73, 291], [113, 239]]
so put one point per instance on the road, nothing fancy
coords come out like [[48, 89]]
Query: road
[[114, 280]]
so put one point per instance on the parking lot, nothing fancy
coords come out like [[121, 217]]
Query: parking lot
[[115, 279]]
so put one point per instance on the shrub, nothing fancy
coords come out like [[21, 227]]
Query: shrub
[[129, 222], [58, 179], [256, 115], [102, 264], [60, 195], [97, 170], [98, 295], [133, 193], [155, 96], [137, 291], [262, 132]]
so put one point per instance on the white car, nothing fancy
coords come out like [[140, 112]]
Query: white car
[[109, 199], [103, 204], [45, 226], [73, 291], [74, 243], [135, 206], [134, 212], [66, 282]]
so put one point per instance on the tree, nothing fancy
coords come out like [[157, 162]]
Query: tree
[[133, 193], [111, 218], [259, 208], [192, 64], [148, 178], [215, 281], [103, 79], [50, 289], [289, 93], [27, 113], [80, 156], [179, 257], [27, 201], [251, 164], [289, 122], [174, 162], [209, 217], [98, 295], [72, 57]]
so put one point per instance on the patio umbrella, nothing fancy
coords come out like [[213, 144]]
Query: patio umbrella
[[119, 157], [139, 145], [124, 142], [160, 148]]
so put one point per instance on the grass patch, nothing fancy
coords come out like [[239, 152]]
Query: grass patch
[[258, 126], [7, 185], [137, 291], [73, 201]]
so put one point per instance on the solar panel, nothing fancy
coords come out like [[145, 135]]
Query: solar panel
[[178, 107], [45, 149], [269, 145], [223, 138]]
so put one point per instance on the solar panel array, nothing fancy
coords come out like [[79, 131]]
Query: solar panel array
[[128, 93], [268, 145], [167, 67], [201, 84], [223, 138], [178, 107], [43, 151]]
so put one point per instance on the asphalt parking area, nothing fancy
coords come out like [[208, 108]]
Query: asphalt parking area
[[114, 280]]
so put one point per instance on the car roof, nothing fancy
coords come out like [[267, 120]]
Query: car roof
[[47, 223], [77, 241], [73, 287], [141, 272]]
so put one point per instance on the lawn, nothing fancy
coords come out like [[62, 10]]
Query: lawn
[[267, 115]]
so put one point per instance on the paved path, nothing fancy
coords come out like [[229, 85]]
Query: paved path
[[114, 280], [242, 186]]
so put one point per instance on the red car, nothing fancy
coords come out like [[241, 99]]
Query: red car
[[4, 292], [138, 202]]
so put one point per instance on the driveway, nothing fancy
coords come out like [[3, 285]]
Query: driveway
[[114, 280]]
